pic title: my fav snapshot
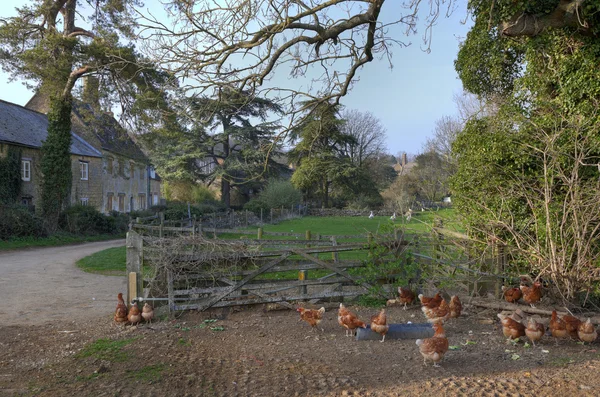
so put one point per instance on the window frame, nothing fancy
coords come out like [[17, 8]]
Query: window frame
[[84, 201], [28, 177], [84, 165]]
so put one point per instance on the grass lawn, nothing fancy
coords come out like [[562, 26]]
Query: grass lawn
[[53, 241], [110, 262]]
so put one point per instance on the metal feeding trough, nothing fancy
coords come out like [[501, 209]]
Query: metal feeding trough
[[397, 331]]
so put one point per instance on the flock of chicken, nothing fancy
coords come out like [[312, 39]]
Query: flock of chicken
[[515, 326], [435, 308], [132, 316], [437, 311]]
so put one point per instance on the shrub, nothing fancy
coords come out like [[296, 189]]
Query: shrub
[[86, 220], [365, 202], [255, 205], [175, 211], [279, 193], [18, 221]]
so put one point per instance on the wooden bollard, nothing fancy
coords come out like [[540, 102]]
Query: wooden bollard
[[302, 277], [260, 233]]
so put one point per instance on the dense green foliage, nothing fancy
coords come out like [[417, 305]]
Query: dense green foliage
[[10, 176], [56, 162], [86, 221], [528, 172], [17, 221], [280, 193]]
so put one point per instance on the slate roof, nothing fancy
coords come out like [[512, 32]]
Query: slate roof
[[105, 131], [25, 127]]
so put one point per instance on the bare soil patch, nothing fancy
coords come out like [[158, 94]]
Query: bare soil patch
[[255, 353]]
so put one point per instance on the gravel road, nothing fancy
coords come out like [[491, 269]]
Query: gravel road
[[41, 285]]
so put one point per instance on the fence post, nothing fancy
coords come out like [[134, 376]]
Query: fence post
[[194, 226], [162, 224], [370, 242], [246, 218], [261, 216], [260, 233], [271, 215], [499, 268], [334, 255], [134, 247]]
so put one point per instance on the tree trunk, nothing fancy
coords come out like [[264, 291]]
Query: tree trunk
[[226, 192], [56, 162]]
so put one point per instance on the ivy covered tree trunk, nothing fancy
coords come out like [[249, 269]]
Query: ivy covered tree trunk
[[56, 161]]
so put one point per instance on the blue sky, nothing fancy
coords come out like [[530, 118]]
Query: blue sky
[[408, 98]]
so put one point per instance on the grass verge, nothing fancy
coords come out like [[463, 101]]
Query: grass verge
[[109, 262], [54, 241]]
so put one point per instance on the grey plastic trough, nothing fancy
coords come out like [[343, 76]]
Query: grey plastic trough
[[397, 331]]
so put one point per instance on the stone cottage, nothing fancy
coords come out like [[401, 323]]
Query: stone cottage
[[129, 182], [25, 130], [110, 172]]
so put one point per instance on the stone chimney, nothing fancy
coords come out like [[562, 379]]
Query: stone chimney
[[90, 94], [404, 161]]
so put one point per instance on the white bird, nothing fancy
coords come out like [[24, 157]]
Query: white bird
[[408, 214], [393, 217], [371, 216]]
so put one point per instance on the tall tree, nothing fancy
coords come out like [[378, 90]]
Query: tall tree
[[219, 141], [368, 133], [319, 152], [44, 45], [528, 172]]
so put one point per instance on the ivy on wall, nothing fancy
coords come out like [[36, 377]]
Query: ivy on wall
[[10, 176]]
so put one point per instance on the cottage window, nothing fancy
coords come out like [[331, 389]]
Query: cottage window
[[84, 170], [26, 170], [109, 165], [142, 201], [84, 201], [109, 202], [131, 170], [142, 172], [155, 199], [121, 202]]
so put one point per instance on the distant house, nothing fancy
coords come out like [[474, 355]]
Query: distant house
[[403, 167], [110, 172], [25, 130]]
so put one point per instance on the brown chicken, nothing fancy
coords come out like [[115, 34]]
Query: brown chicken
[[406, 296], [147, 312], [587, 332], [311, 316], [431, 302], [349, 320], [534, 330], [512, 295], [455, 307], [437, 314], [121, 311], [379, 324], [558, 328], [572, 325], [434, 348], [511, 328], [134, 316], [532, 294]]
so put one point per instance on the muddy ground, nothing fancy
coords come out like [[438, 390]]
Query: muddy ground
[[256, 353]]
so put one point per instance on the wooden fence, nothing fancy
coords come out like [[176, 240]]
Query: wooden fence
[[189, 269]]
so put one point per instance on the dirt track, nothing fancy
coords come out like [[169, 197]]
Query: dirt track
[[40, 285]]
